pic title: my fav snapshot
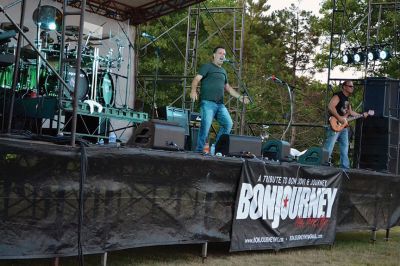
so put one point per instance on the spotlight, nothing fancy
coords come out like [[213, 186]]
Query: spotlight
[[347, 58], [359, 57], [385, 54], [52, 25], [373, 55]]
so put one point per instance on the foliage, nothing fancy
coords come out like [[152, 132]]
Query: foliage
[[292, 44], [350, 30]]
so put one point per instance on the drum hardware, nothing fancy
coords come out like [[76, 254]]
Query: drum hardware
[[95, 68], [46, 39]]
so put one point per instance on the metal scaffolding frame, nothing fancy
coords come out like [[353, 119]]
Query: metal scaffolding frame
[[338, 23], [193, 44]]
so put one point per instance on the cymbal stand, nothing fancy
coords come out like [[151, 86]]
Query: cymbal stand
[[38, 60], [128, 70], [119, 61], [95, 69]]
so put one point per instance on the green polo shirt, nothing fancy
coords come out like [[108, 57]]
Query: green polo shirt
[[213, 82]]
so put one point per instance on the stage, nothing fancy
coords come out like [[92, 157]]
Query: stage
[[136, 197]]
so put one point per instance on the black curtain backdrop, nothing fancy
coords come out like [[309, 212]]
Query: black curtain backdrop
[[139, 197]]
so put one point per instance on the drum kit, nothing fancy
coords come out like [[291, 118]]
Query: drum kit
[[96, 73]]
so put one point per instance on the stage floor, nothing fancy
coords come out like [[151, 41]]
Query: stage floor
[[135, 197]]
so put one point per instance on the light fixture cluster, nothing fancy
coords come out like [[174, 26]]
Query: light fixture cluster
[[358, 55]]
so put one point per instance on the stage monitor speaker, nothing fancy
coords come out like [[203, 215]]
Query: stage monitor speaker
[[159, 134], [276, 150], [376, 144], [315, 156], [382, 96], [177, 115], [240, 146]]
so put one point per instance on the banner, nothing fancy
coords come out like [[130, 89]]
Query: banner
[[281, 206]]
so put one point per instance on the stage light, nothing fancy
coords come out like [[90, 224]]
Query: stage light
[[52, 25], [359, 57], [348, 58], [385, 54], [373, 55]]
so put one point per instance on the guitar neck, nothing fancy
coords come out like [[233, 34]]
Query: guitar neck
[[354, 117]]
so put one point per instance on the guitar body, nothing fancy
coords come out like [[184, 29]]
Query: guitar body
[[336, 125]]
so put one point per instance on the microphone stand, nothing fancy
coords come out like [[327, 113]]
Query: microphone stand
[[290, 91], [245, 93], [129, 75], [155, 83]]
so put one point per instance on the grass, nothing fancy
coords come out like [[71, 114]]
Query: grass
[[352, 248]]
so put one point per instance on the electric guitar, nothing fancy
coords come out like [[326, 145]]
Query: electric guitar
[[337, 126]]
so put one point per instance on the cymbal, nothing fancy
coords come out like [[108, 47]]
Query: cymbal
[[10, 26], [71, 40], [94, 43], [27, 52], [71, 30], [104, 36]]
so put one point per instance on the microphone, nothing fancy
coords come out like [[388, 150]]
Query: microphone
[[275, 79], [226, 60], [148, 36]]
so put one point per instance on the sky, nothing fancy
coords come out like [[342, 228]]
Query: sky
[[309, 5], [314, 6]]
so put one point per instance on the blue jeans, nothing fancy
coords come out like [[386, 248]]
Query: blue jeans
[[208, 111], [343, 138]]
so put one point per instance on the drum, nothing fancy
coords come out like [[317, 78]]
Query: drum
[[28, 79], [53, 55], [87, 56], [6, 77], [51, 84], [106, 89]]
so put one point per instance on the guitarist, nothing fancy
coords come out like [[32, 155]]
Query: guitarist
[[340, 108]]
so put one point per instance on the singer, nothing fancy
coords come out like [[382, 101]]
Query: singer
[[214, 81]]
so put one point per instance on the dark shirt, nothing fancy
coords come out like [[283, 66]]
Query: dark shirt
[[213, 82], [343, 106]]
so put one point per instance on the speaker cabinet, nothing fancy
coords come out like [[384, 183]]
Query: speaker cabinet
[[315, 156], [276, 150], [177, 115], [376, 144], [382, 96], [159, 134], [235, 145]]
